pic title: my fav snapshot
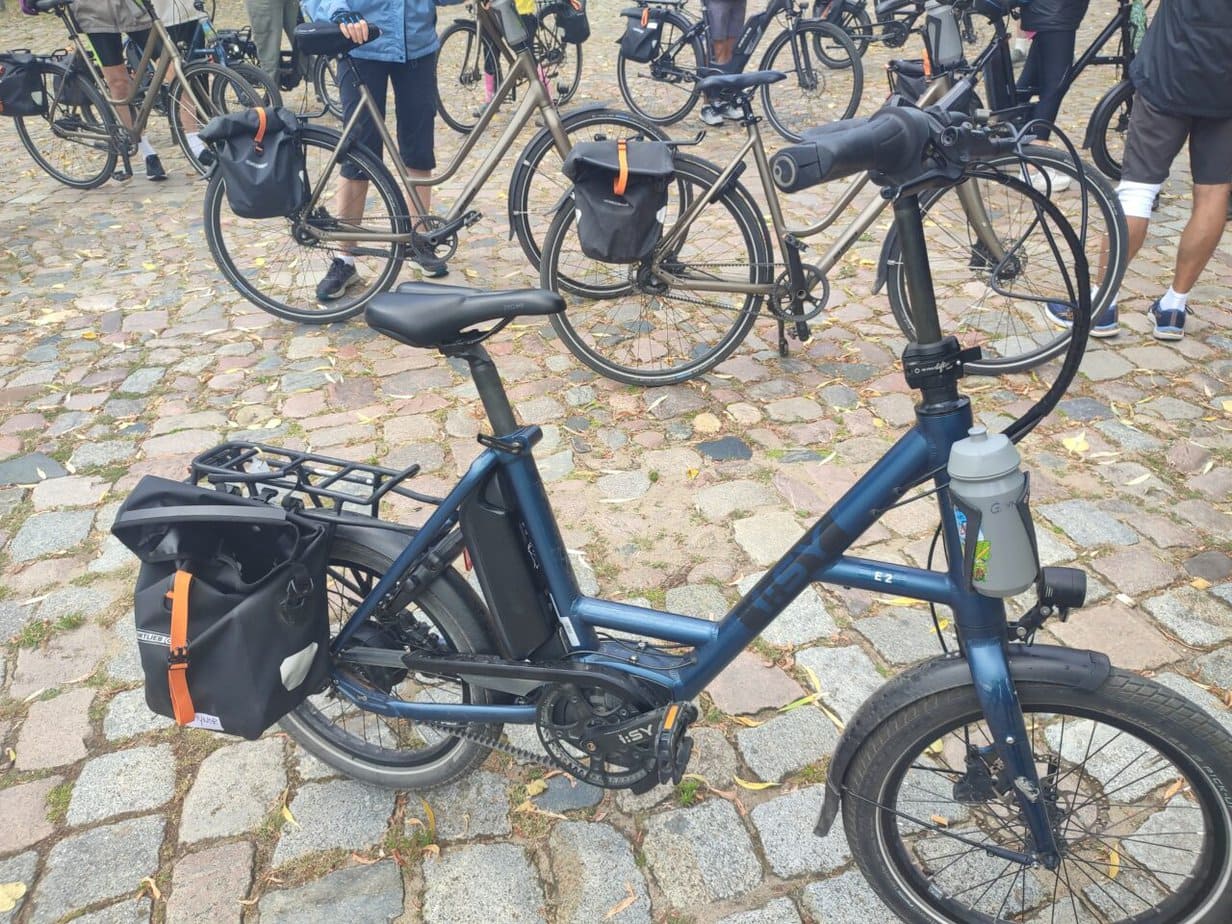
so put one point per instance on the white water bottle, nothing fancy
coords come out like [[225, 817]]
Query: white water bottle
[[990, 500]]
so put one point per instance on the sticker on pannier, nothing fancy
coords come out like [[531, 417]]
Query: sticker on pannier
[[620, 195], [21, 86], [640, 41], [230, 605]]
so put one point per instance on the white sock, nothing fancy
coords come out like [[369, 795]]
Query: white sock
[[347, 258], [1173, 300], [195, 144], [145, 148]]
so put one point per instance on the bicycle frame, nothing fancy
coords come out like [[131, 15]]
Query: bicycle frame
[[536, 99], [820, 555], [169, 59], [968, 194]]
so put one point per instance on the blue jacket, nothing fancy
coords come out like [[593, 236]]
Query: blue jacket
[[408, 27]]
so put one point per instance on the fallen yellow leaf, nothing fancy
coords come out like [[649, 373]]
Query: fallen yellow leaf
[[10, 894], [1141, 478], [1076, 444], [1200, 583], [535, 787], [148, 882], [1176, 787], [797, 703], [940, 820], [746, 784], [745, 721], [1114, 864], [288, 817]]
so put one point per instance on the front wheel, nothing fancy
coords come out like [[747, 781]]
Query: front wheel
[[468, 70], [825, 78], [267, 90], [276, 263], [75, 142], [851, 18], [325, 84], [537, 187], [560, 60], [1109, 129], [997, 261], [1134, 778], [207, 90], [384, 750], [664, 90], [634, 324]]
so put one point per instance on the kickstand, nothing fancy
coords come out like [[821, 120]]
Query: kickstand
[[782, 338], [125, 173]]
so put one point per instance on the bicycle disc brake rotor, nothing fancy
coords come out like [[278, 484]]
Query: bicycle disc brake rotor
[[818, 298], [581, 728]]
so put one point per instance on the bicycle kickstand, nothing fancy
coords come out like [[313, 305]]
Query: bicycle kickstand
[[125, 173]]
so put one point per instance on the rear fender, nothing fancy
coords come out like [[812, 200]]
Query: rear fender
[[1066, 667], [1100, 114]]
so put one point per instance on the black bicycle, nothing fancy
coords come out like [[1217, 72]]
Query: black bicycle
[[895, 21], [825, 74]]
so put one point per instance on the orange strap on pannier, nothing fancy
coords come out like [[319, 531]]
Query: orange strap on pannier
[[177, 656], [259, 137], [622, 156], [645, 16]]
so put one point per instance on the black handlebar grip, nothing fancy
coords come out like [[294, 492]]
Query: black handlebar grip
[[889, 141]]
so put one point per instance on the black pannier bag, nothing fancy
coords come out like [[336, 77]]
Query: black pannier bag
[[230, 605], [620, 193], [573, 22], [640, 41], [261, 159], [21, 86]]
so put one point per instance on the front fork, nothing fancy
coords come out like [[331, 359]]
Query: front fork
[[981, 625]]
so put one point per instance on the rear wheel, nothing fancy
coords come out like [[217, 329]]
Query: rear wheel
[[1110, 128], [223, 93], [561, 61], [325, 84], [465, 63], [75, 142], [664, 90], [825, 78], [1134, 777], [1002, 307], [538, 187], [276, 263], [852, 19], [394, 752], [629, 323]]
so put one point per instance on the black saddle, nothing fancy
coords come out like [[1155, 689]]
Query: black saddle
[[726, 83], [324, 38], [423, 314], [46, 6], [886, 7]]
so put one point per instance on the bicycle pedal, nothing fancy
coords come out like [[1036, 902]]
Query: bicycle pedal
[[122, 176], [672, 746]]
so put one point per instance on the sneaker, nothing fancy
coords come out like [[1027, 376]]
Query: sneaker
[[154, 168], [1046, 180], [423, 258], [341, 276], [1169, 324], [732, 112], [711, 116], [1103, 324]]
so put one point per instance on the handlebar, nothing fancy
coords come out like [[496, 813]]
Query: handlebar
[[897, 144]]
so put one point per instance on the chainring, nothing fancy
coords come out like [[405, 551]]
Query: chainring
[[443, 251], [569, 717], [813, 278]]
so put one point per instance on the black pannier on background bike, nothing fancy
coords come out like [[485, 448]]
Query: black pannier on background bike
[[620, 191], [21, 86]]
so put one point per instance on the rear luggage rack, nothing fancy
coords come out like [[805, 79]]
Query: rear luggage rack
[[262, 471]]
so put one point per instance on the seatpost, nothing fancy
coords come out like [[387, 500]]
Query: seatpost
[[915, 263], [491, 390]]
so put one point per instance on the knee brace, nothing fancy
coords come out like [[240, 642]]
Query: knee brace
[[1137, 199]]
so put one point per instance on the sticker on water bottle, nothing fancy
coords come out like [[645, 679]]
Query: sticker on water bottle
[[979, 566]]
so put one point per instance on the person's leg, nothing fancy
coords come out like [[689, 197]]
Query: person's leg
[[1201, 234], [353, 186], [414, 96], [109, 49], [1054, 52], [266, 19]]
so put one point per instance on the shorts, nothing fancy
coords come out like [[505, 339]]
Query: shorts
[[726, 19], [414, 85], [109, 49], [1156, 137]]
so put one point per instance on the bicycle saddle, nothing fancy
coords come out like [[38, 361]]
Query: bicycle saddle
[[886, 7], [423, 314], [721, 83], [323, 38], [46, 6]]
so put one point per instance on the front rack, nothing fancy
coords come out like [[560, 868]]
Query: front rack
[[262, 471]]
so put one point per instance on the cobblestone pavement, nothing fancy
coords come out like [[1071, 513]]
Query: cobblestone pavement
[[122, 352]]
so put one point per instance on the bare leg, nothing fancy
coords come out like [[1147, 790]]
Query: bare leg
[[349, 201], [120, 85], [1201, 234], [723, 49], [1137, 235]]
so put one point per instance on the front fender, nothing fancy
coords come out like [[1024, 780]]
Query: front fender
[[1067, 667]]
